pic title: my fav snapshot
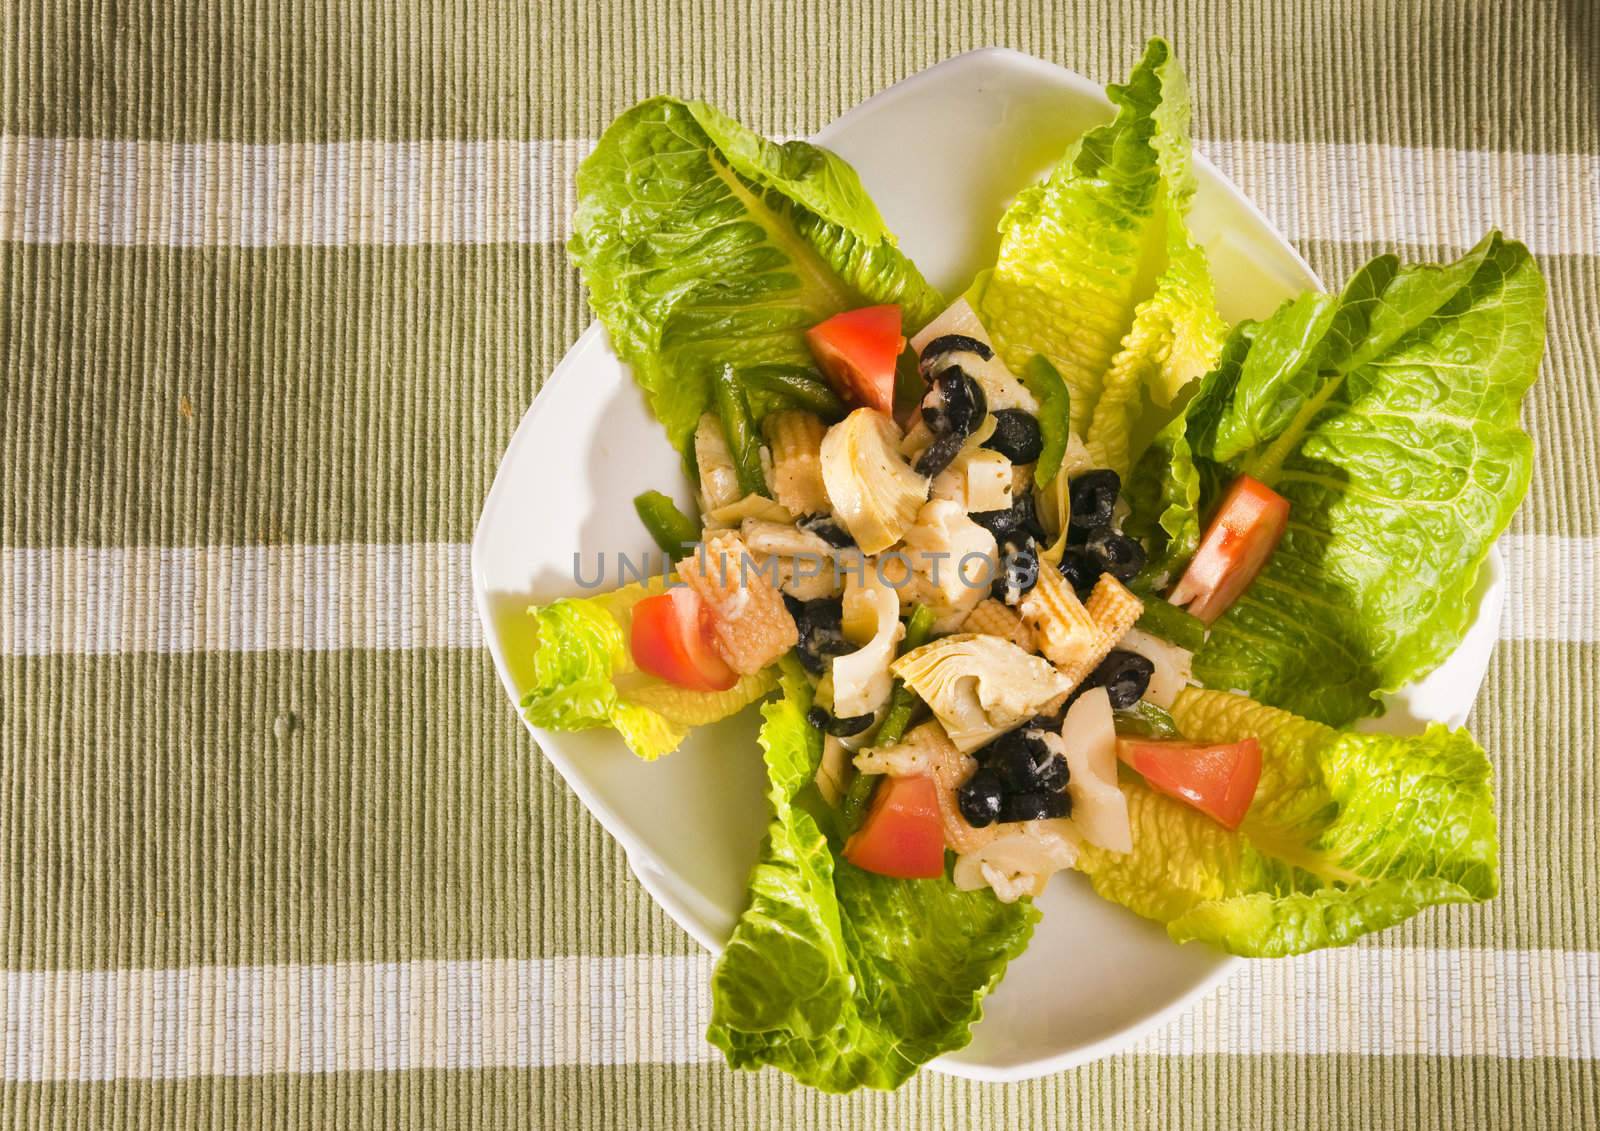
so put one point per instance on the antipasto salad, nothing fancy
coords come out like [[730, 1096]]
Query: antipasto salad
[[1059, 573]]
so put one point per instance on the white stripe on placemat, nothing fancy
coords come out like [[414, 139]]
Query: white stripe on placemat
[[334, 194], [250, 1021], [1385, 194], [81, 601], [1512, 1004], [76, 601], [169, 194], [1552, 588]]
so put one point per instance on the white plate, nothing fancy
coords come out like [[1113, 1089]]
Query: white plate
[[942, 153]]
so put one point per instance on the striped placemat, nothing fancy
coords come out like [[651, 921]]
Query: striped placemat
[[277, 282]]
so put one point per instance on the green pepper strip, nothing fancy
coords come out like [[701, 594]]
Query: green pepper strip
[[1043, 380], [673, 530], [796, 387], [1145, 720], [1171, 623]]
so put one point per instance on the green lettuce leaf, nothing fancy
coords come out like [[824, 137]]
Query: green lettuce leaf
[[840, 977], [1175, 337], [584, 676], [1097, 271], [1163, 495], [703, 244], [1348, 834], [1387, 416]]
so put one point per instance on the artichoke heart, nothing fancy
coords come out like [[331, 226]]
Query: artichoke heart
[[861, 681], [874, 492], [1053, 501], [979, 687]]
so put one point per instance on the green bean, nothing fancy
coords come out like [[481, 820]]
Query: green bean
[[856, 799], [902, 701], [739, 429], [919, 626], [1171, 623], [796, 386], [671, 528], [1145, 720]]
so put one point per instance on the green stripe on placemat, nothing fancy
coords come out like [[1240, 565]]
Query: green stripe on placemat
[[268, 396], [1470, 75], [238, 809], [1538, 712], [1124, 1093]]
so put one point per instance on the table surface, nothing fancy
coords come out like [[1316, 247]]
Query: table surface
[[276, 284]]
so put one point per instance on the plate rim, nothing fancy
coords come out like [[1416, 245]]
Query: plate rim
[[650, 874]]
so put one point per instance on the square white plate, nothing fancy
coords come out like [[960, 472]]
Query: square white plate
[[942, 154]]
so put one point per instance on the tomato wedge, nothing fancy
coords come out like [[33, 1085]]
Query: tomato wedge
[[857, 351], [670, 637], [902, 835], [1219, 779], [1247, 528]]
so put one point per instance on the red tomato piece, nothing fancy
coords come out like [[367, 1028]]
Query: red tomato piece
[[903, 834], [857, 351], [1247, 528], [670, 637], [1219, 779]]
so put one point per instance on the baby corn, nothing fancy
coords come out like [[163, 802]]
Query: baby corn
[[1113, 610], [995, 618], [1063, 629], [796, 441], [749, 623]]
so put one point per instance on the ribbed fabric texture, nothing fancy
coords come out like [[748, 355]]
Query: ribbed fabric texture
[[277, 282]]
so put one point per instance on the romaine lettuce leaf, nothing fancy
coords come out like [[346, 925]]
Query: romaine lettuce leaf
[[703, 245], [1387, 416], [584, 676], [1349, 834], [1175, 338], [840, 977], [1097, 271], [1163, 496]]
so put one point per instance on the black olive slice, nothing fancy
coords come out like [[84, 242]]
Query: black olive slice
[[955, 343], [1017, 435]]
